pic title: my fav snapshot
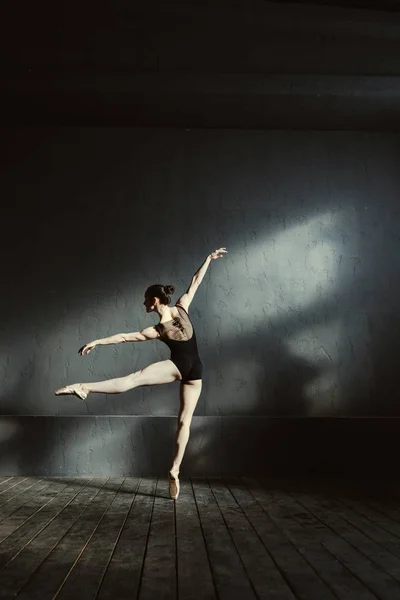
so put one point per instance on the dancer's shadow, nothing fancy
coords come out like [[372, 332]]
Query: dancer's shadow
[[98, 486]]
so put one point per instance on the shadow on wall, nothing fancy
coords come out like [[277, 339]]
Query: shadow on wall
[[74, 248]]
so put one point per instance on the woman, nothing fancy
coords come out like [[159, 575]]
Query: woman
[[176, 330]]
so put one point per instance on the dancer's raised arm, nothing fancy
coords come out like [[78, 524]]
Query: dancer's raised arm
[[150, 333], [197, 278]]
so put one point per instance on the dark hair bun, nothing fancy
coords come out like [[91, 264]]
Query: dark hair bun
[[169, 289]]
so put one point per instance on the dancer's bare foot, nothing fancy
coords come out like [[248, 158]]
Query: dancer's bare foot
[[174, 486], [75, 388]]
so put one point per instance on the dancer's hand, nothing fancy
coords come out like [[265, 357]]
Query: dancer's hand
[[218, 253], [87, 348]]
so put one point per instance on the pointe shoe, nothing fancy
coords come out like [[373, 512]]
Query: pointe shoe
[[75, 388], [174, 485]]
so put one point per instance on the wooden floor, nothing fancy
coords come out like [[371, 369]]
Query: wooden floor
[[224, 538]]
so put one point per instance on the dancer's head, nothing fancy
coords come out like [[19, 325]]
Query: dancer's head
[[157, 294]]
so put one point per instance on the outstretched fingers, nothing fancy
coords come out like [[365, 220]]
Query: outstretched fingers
[[218, 253], [86, 348]]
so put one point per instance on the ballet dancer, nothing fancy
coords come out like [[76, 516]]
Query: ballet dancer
[[176, 330]]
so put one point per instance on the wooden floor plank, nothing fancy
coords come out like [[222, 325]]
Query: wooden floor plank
[[224, 539], [4, 480], [15, 502], [19, 517], [106, 518], [301, 577], [353, 549], [89, 569], [352, 512], [377, 518], [231, 580], [359, 538], [117, 518], [195, 581], [14, 483], [49, 576], [122, 578], [159, 569], [295, 522], [14, 492], [19, 523], [19, 569], [20, 537], [261, 570]]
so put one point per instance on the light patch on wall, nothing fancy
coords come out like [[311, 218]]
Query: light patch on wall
[[279, 282], [282, 274], [298, 264]]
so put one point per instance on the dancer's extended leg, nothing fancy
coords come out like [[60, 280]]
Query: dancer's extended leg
[[189, 395], [157, 373]]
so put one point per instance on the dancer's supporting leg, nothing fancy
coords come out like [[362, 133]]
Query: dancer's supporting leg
[[164, 371], [189, 395]]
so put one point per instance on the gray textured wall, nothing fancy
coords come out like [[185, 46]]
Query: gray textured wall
[[298, 326], [300, 319]]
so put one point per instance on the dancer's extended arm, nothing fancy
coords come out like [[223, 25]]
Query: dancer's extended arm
[[197, 278], [150, 333]]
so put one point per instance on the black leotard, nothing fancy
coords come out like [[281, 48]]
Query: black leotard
[[180, 337]]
